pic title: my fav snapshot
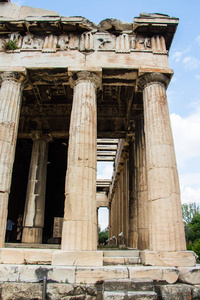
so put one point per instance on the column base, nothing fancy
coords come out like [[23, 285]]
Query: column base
[[168, 258], [32, 235]]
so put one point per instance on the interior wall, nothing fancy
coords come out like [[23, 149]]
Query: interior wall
[[19, 182]]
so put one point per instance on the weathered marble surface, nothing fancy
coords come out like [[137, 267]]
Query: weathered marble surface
[[80, 224]]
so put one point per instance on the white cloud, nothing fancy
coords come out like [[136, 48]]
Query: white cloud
[[190, 179], [191, 63], [190, 195], [187, 144], [197, 77], [186, 136], [104, 170], [177, 56], [103, 217], [198, 39]]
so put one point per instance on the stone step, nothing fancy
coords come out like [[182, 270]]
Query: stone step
[[107, 261], [142, 284], [129, 295], [122, 253], [75, 274]]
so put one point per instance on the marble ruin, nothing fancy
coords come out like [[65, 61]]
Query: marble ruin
[[71, 93]]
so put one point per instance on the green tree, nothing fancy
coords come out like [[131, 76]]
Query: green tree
[[192, 229], [103, 236], [189, 211]]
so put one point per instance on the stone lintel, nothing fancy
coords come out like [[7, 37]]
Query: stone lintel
[[21, 70], [78, 258], [94, 70], [168, 258], [149, 70]]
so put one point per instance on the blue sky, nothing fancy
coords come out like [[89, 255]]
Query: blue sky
[[184, 57]]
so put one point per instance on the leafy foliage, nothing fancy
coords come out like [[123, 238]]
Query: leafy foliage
[[189, 211], [103, 236], [11, 45], [192, 227]]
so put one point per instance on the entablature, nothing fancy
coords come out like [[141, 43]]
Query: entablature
[[55, 33]]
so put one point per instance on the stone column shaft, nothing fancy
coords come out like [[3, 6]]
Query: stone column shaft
[[80, 224], [10, 103], [133, 230], [141, 186], [33, 221], [121, 202], [126, 201], [110, 221], [165, 213]]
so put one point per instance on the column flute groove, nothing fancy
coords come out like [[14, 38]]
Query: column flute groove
[[10, 103], [165, 215], [79, 226], [33, 221]]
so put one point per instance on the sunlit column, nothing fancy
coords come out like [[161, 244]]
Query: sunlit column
[[165, 213], [80, 224]]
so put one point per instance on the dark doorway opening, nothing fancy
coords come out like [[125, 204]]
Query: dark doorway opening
[[55, 185]]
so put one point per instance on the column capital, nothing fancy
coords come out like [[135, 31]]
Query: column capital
[[150, 78], [85, 76], [37, 135], [12, 76]]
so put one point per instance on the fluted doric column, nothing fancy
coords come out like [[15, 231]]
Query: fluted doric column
[[10, 103], [141, 186], [80, 224], [33, 221], [133, 224], [165, 213]]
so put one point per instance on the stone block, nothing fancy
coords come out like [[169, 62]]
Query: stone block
[[12, 256], [131, 260], [38, 256], [35, 273], [142, 295], [57, 291], [196, 292], [113, 295], [30, 273], [23, 291], [168, 274], [121, 253], [82, 258], [130, 295], [143, 284], [62, 274], [60, 291], [190, 275], [167, 258], [113, 261], [96, 275], [9, 273], [176, 292]]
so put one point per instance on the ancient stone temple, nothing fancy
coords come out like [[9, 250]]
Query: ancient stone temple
[[73, 93]]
